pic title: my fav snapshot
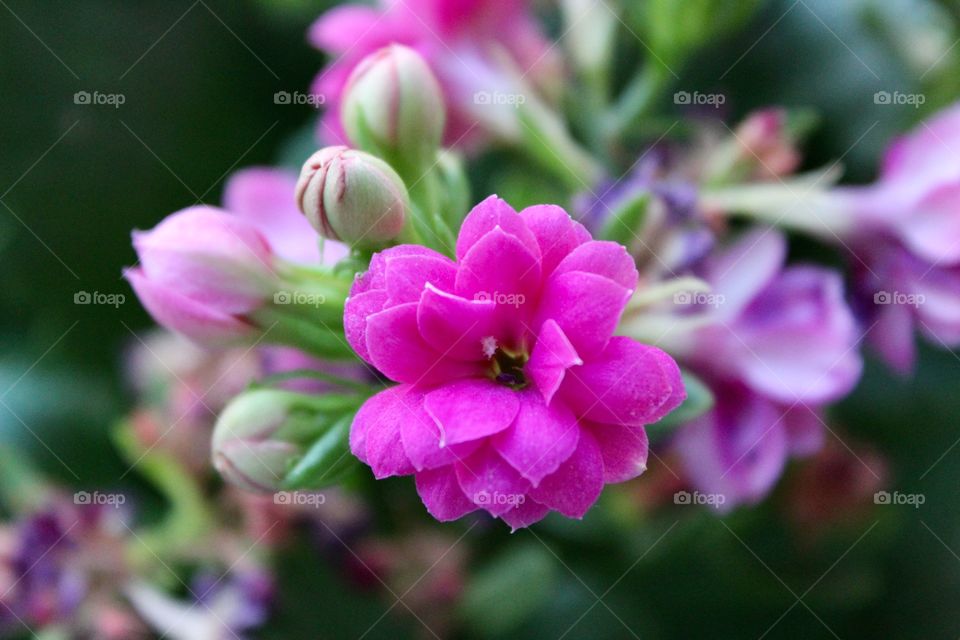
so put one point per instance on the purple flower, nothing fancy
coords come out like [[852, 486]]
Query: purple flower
[[775, 344], [464, 43], [904, 232], [514, 397]]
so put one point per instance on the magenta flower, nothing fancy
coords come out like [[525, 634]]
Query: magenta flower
[[777, 345], [513, 394], [464, 43]]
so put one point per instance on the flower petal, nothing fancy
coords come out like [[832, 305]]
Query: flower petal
[[608, 259], [540, 439], [375, 433], [421, 437], [406, 276], [356, 310], [376, 276], [551, 357], [624, 450], [397, 349], [577, 484], [629, 384], [525, 514], [586, 306], [556, 232], [499, 267], [454, 325], [488, 215], [442, 495], [490, 483], [470, 409]]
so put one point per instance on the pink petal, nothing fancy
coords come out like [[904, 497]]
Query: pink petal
[[376, 276], [406, 276], [192, 319], [397, 349], [421, 437], [488, 215], [501, 268], [629, 383], [741, 272], [551, 357], [586, 306], [375, 433], [470, 409], [577, 484], [540, 439], [624, 451], [441, 494], [338, 29], [525, 514], [603, 258], [490, 483], [557, 234], [455, 326], [357, 309]]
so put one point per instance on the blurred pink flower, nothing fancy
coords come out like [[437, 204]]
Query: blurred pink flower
[[778, 344], [514, 397], [473, 47]]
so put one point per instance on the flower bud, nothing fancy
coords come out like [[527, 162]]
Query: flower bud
[[353, 197], [393, 106], [201, 272], [265, 434]]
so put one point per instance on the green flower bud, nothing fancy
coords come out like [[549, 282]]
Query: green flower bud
[[263, 434], [393, 106], [353, 197]]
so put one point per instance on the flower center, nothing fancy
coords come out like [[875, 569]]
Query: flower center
[[507, 368]]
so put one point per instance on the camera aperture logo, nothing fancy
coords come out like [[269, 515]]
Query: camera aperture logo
[[97, 98], [299, 498], [315, 100], [915, 100], [98, 498], [510, 299], [301, 298], [109, 299], [715, 500], [699, 298]]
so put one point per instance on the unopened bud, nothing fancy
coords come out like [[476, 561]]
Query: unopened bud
[[393, 106], [353, 197], [263, 434]]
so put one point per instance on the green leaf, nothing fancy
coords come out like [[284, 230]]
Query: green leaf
[[624, 224], [327, 460]]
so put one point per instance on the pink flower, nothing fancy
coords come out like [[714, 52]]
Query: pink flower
[[464, 43], [202, 270], [513, 395]]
